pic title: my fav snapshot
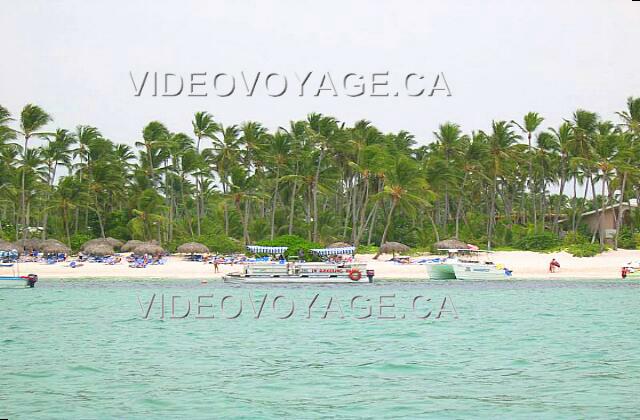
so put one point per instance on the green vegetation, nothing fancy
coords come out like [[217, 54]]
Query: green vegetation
[[546, 241], [319, 181], [295, 244]]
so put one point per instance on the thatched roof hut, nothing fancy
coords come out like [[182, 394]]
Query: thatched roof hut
[[130, 245], [148, 248], [193, 248], [99, 249], [338, 245], [393, 247], [451, 244], [52, 246]]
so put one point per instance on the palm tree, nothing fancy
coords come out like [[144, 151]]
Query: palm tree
[[204, 126], [322, 131], [531, 122], [560, 143], [500, 143], [279, 150], [406, 189], [56, 152], [32, 120], [223, 156]]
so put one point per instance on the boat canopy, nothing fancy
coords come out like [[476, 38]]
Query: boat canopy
[[257, 249], [334, 251]]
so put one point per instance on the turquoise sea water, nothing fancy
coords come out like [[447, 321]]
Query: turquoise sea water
[[521, 349]]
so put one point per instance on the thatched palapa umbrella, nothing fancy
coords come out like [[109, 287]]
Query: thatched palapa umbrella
[[193, 248], [451, 244], [111, 242], [52, 246], [115, 243], [148, 248], [99, 249], [131, 245], [338, 245], [29, 245], [393, 247], [7, 246]]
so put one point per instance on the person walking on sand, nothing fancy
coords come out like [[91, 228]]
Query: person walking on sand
[[216, 266], [553, 265]]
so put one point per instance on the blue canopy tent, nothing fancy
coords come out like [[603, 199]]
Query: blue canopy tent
[[257, 249]]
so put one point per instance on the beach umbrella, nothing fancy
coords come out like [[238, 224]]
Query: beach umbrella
[[193, 248], [30, 244], [130, 245], [393, 247], [339, 245], [52, 246], [7, 246], [113, 243], [91, 242], [99, 249], [451, 244], [148, 248]]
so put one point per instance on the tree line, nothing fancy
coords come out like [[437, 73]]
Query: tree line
[[317, 178]]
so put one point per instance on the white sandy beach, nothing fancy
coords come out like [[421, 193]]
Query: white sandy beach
[[526, 265]]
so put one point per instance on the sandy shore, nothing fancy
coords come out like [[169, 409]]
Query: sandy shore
[[526, 265]]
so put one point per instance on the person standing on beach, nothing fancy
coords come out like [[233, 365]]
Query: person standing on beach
[[216, 267], [553, 265]]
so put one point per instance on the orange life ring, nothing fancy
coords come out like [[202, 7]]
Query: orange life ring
[[355, 274]]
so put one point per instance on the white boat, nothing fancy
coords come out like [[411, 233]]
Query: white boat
[[304, 273], [12, 282], [441, 268], [464, 264], [481, 271], [13, 279], [631, 269]]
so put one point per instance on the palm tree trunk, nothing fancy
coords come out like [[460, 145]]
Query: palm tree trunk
[[556, 216], [492, 212], [620, 210], [363, 210], [315, 196], [600, 229], [23, 198], [273, 205], [386, 227]]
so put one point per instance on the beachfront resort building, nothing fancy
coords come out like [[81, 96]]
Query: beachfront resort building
[[608, 226]]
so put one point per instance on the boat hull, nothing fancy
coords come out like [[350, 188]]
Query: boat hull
[[13, 283], [441, 271], [480, 272], [242, 279]]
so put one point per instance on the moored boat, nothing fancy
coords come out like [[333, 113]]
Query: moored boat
[[441, 268], [12, 282], [297, 272], [327, 272], [465, 264], [481, 271], [631, 269], [9, 259]]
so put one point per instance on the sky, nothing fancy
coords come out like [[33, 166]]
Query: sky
[[501, 59]]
